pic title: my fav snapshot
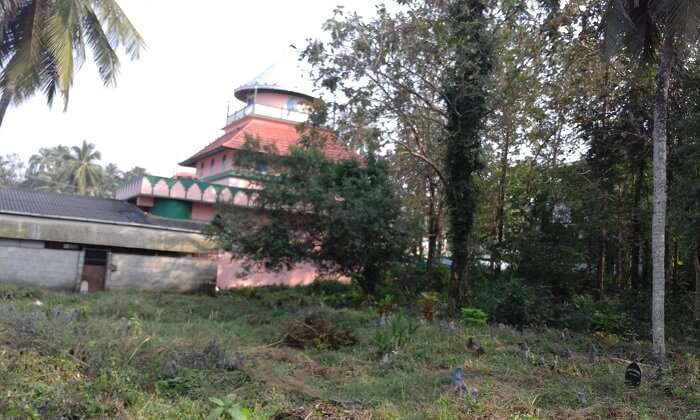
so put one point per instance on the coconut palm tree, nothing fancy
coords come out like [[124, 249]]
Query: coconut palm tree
[[654, 30], [112, 177], [42, 43], [47, 170], [86, 175]]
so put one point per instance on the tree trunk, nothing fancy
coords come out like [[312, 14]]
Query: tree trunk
[[636, 269], [458, 281], [432, 231], [600, 277], [658, 222], [440, 238], [696, 266], [4, 104], [621, 262], [500, 211]]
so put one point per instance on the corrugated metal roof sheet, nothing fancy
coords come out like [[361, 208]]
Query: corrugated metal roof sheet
[[49, 204]]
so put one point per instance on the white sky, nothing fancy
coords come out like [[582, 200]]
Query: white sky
[[172, 101]]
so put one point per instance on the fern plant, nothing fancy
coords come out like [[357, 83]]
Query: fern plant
[[386, 305], [429, 302]]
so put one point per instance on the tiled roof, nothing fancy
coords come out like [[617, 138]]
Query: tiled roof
[[49, 204], [278, 134]]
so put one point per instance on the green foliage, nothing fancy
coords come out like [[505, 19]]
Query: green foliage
[[411, 278], [386, 305], [607, 314], [344, 217], [473, 316], [399, 333], [509, 302], [45, 42], [87, 370], [11, 170], [228, 408], [336, 294], [74, 170], [464, 93], [21, 414], [516, 303]]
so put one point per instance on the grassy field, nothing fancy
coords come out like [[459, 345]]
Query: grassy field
[[132, 355]]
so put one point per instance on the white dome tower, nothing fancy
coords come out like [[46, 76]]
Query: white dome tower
[[280, 91]]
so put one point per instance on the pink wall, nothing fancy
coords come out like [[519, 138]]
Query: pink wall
[[125, 192], [178, 191], [161, 189], [280, 100], [231, 274], [202, 211], [209, 195], [272, 99], [205, 167]]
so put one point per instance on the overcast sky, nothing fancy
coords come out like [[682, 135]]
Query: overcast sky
[[171, 102]]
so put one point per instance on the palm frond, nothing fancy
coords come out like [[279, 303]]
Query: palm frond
[[105, 56], [9, 9], [20, 71], [42, 42], [119, 28], [60, 29]]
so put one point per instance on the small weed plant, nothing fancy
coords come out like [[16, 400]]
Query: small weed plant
[[397, 335], [228, 408]]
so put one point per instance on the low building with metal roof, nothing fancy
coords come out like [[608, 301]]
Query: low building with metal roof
[[70, 241]]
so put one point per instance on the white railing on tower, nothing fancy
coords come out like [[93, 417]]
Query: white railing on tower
[[268, 111]]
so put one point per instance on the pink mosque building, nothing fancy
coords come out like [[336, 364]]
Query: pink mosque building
[[275, 103]]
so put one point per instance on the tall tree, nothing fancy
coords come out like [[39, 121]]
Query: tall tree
[[344, 217], [387, 96], [43, 42], [464, 94], [86, 174], [112, 178], [48, 170], [11, 171], [641, 27]]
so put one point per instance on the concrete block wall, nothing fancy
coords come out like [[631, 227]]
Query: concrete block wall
[[154, 274], [31, 266]]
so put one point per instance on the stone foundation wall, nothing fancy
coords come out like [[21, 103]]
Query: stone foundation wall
[[37, 267], [155, 274]]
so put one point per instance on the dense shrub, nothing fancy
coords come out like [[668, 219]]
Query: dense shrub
[[473, 316], [508, 302], [336, 294], [412, 278], [513, 302]]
